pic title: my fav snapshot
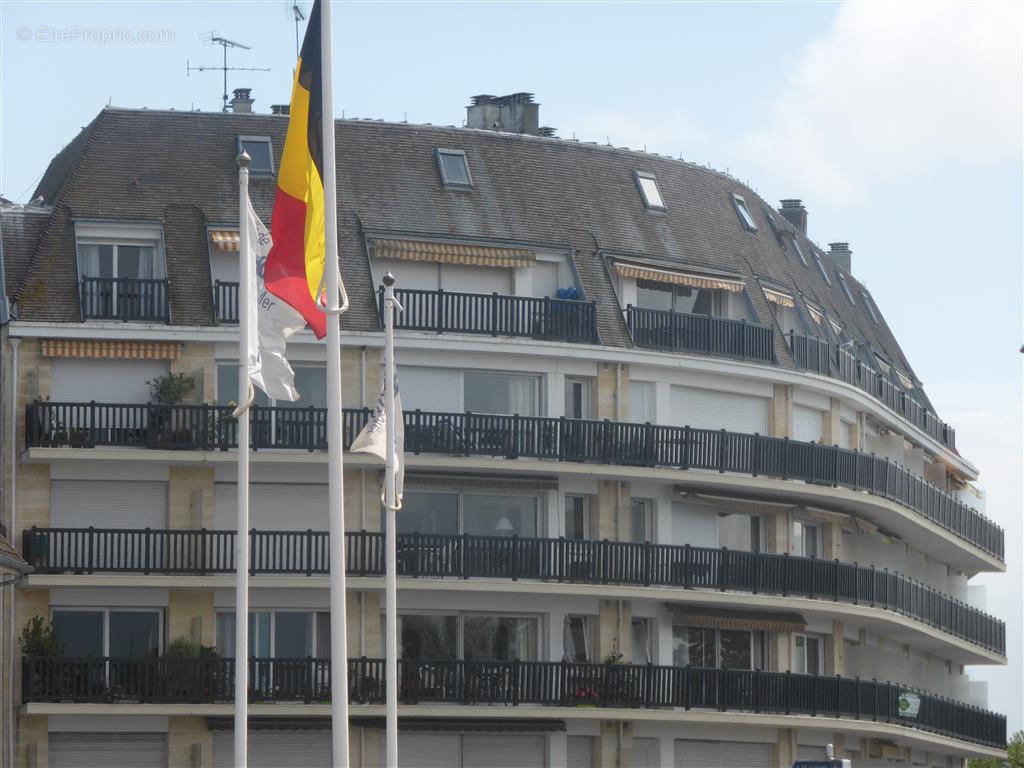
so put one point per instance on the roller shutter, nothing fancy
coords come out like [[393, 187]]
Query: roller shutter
[[428, 750], [498, 750], [579, 751], [690, 753], [706, 409], [108, 504], [274, 506], [721, 754], [745, 754], [108, 750], [645, 753], [806, 424], [275, 749], [83, 380], [844, 434], [807, 752]]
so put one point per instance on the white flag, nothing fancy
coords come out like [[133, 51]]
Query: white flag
[[270, 320], [373, 438]]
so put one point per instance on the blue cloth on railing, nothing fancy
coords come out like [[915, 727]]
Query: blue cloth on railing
[[567, 293]]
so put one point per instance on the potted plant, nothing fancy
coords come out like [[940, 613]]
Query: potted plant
[[38, 640], [585, 697], [167, 390], [185, 675]]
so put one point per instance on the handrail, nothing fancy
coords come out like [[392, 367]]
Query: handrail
[[681, 332], [124, 298], [538, 683], [827, 358], [210, 427], [202, 551]]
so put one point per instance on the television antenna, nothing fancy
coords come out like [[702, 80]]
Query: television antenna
[[299, 16], [214, 39]]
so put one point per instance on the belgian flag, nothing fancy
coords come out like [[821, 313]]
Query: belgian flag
[[294, 268]]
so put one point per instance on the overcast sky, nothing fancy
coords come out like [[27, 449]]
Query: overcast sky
[[898, 124]]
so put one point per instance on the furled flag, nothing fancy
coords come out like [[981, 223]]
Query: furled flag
[[295, 266], [270, 321], [373, 438]]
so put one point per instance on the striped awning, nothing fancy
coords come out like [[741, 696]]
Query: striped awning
[[777, 297], [738, 503], [641, 272], [123, 350], [451, 253], [224, 239], [440, 480], [696, 616], [816, 315]]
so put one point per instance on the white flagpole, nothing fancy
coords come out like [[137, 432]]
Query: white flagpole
[[390, 502], [245, 278], [335, 494]]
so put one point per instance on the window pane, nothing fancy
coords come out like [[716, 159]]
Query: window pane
[[436, 513], [259, 634], [226, 635], [500, 638], [96, 260], [293, 635], [486, 515], [694, 301], [638, 523], [800, 654], [428, 637], [641, 653], [575, 517], [735, 649], [227, 386], [259, 151], [577, 647], [693, 646], [499, 393], [311, 382], [652, 195], [813, 650], [80, 633], [737, 531], [454, 168], [653, 296], [323, 635], [134, 634]]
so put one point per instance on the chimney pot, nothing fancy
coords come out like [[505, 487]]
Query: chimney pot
[[280, 109], [241, 103], [514, 113], [841, 254], [793, 211]]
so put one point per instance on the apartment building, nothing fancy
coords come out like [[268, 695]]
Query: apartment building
[[674, 494]]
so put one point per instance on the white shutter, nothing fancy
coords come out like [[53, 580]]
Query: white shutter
[[274, 506], [108, 750], [806, 424], [746, 754], [844, 434], [421, 275], [108, 504], [430, 389], [579, 752], [706, 409], [274, 749], [84, 380], [471, 279], [807, 752], [427, 750], [645, 753], [498, 750], [690, 753]]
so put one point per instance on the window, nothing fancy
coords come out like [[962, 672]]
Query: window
[[126, 633], [871, 307], [739, 532], [846, 290], [722, 648], [577, 517], [577, 398], [310, 382], [806, 538], [641, 401], [576, 639], [678, 298], [119, 251], [775, 230], [429, 513], [500, 393], [454, 168], [428, 636], [649, 191], [821, 269], [283, 634], [474, 637], [807, 655], [641, 631], [641, 520], [800, 252], [451, 513], [904, 379], [741, 210], [260, 151]]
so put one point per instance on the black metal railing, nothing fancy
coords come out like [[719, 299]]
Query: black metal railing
[[825, 357], [208, 427], [124, 298], [109, 550], [225, 301], [495, 314], [704, 334], [511, 683]]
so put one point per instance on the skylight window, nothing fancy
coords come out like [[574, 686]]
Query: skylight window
[[454, 168], [744, 213], [821, 268], [775, 230], [846, 290], [870, 305], [800, 252], [259, 149], [649, 191]]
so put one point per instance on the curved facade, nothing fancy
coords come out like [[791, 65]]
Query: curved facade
[[674, 495]]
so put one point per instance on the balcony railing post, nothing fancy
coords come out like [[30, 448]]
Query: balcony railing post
[[721, 452], [494, 314]]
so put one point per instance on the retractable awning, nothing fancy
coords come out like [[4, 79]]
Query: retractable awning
[[723, 619], [691, 279], [124, 350], [451, 253], [224, 239], [777, 297]]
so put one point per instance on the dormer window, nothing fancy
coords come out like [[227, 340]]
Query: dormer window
[[905, 380], [800, 252], [121, 271], [821, 269], [871, 307], [846, 290], [647, 183], [454, 169], [260, 150], [743, 212], [775, 230]]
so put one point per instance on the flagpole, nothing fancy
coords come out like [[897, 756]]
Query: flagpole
[[390, 503], [245, 277], [336, 501]]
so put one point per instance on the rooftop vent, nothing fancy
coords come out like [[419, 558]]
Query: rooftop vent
[[514, 113], [547, 130], [241, 102], [280, 109], [841, 254], [793, 211]]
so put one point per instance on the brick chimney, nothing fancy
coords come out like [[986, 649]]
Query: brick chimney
[[241, 103], [515, 113], [841, 254], [794, 212]]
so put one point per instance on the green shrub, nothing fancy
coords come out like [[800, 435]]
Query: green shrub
[[39, 638], [171, 388]]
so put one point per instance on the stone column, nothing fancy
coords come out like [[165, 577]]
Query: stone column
[[189, 743], [199, 361], [32, 746], [190, 614], [362, 499], [831, 424], [834, 651], [190, 498], [608, 751], [605, 524], [784, 750], [780, 411], [612, 386]]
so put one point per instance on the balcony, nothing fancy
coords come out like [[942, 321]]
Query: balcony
[[128, 299], [820, 356], [668, 331], [225, 302], [92, 550], [210, 427], [495, 315], [510, 683]]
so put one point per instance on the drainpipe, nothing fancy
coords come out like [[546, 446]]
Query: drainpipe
[[362, 376], [15, 343]]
